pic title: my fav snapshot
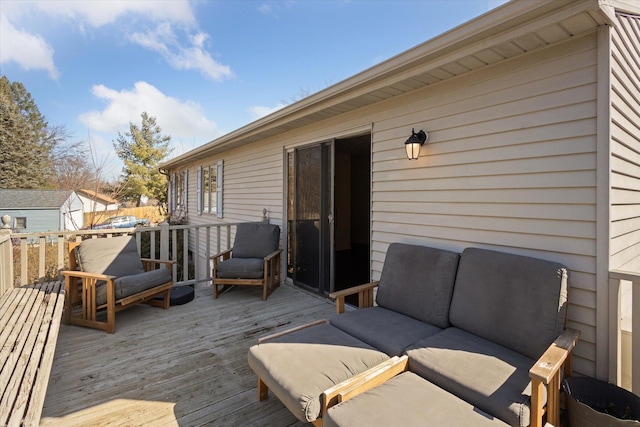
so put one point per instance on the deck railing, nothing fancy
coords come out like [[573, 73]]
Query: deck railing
[[41, 256], [624, 329]]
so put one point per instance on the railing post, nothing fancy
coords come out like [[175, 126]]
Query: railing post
[[164, 240], [6, 256]]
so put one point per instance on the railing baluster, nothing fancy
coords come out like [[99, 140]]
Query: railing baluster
[[185, 255]]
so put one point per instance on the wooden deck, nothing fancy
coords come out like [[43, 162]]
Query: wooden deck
[[183, 367]]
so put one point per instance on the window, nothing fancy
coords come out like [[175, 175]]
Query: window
[[210, 189], [20, 222], [178, 190]]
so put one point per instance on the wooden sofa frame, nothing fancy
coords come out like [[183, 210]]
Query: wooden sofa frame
[[546, 373], [80, 290]]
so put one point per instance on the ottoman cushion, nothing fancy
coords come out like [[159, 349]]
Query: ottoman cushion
[[410, 401], [300, 366]]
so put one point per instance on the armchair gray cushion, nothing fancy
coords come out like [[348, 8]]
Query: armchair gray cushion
[[487, 375], [515, 301], [417, 281], [246, 268], [255, 240], [117, 256], [130, 285]]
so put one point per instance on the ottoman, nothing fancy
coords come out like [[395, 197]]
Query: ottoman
[[299, 367], [407, 400]]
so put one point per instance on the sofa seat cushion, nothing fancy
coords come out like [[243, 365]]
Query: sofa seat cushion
[[246, 268], [300, 366], [410, 401], [130, 285], [485, 374], [417, 281], [386, 330]]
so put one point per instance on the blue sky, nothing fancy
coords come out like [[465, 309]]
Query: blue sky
[[202, 68]]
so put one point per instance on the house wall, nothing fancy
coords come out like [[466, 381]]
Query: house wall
[[91, 205], [510, 165], [625, 144], [37, 219]]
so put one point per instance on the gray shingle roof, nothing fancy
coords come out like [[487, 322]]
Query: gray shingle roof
[[34, 199]]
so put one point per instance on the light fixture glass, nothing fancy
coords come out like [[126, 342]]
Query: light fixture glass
[[414, 142]]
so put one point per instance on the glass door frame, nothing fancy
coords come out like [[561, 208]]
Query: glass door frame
[[325, 264]]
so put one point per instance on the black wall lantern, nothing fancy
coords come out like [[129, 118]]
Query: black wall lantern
[[414, 142]]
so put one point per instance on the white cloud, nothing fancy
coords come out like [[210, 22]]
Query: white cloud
[[102, 12], [180, 119], [30, 51], [164, 41], [259, 111]]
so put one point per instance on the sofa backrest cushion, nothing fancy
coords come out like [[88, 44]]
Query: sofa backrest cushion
[[516, 301], [255, 240], [417, 281], [117, 256]]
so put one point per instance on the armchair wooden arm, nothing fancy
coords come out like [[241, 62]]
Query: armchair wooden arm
[[547, 373], [224, 255], [149, 264], [365, 296]]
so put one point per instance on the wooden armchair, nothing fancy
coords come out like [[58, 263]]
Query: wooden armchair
[[107, 274], [254, 260]]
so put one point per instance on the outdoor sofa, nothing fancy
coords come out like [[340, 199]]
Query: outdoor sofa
[[475, 338]]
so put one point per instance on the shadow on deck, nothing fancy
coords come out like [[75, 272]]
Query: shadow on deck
[[183, 367]]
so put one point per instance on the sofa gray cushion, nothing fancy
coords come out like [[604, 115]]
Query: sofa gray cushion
[[516, 301], [116, 256], [300, 366], [130, 285], [417, 281], [481, 372], [383, 329], [246, 268], [255, 240], [409, 401]]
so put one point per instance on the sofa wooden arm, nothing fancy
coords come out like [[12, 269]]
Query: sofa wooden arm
[[546, 372], [290, 330], [363, 381], [365, 296]]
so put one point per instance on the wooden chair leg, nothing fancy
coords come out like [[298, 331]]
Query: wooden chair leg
[[263, 390]]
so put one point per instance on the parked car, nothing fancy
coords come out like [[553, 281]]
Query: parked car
[[122, 221]]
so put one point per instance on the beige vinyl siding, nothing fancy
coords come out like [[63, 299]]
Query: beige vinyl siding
[[510, 165], [625, 144]]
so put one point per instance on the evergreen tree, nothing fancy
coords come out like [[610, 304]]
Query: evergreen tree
[[26, 141], [141, 150]]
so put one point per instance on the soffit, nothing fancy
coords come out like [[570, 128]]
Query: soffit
[[507, 32]]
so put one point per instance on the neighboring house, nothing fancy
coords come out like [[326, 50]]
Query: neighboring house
[[96, 202], [42, 210], [533, 116]]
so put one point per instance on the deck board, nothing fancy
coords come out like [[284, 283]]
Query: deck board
[[183, 367]]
